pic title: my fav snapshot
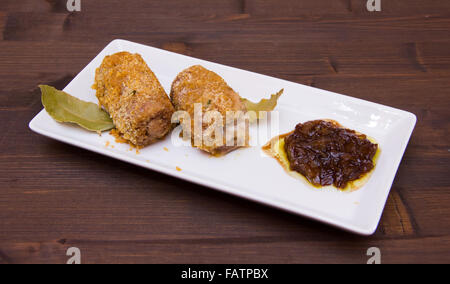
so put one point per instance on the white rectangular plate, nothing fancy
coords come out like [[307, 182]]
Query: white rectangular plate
[[247, 172]]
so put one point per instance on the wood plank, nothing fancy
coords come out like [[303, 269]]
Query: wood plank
[[3, 18], [26, 6], [362, 58], [254, 8], [295, 62], [34, 26], [430, 213], [427, 250], [39, 60], [350, 7], [173, 7], [193, 28], [396, 220]]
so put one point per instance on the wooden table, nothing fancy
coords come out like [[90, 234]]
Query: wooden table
[[54, 196]]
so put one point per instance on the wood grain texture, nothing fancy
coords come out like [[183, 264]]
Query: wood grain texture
[[54, 196]]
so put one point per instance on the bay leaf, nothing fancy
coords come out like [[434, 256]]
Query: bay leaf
[[63, 107], [265, 105]]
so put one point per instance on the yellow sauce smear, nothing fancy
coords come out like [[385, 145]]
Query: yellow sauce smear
[[275, 149]]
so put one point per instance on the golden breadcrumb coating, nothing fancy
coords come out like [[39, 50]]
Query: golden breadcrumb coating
[[197, 85], [133, 96]]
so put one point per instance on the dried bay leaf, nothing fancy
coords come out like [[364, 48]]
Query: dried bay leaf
[[265, 105], [63, 107]]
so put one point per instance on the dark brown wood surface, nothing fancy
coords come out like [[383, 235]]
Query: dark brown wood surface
[[54, 196]]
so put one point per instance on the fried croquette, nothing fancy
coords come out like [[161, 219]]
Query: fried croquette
[[130, 92], [197, 85]]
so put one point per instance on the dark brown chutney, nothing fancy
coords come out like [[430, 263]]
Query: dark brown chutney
[[327, 154]]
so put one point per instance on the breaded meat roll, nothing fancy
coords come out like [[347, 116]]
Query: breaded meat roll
[[133, 96], [219, 104]]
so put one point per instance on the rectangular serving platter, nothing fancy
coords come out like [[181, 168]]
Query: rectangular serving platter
[[248, 173]]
